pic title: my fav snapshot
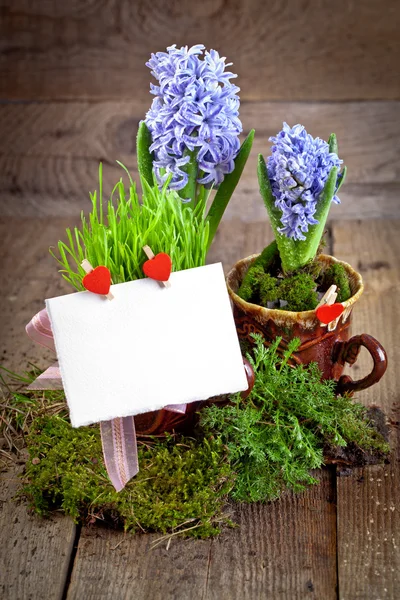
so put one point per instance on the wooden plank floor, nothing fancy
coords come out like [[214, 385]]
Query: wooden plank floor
[[338, 540]]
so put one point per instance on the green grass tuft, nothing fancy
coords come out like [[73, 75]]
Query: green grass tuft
[[115, 235]]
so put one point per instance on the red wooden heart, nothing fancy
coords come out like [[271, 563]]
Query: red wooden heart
[[329, 312], [98, 281], [159, 267]]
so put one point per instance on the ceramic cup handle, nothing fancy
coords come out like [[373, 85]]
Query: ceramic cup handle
[[349, 351]]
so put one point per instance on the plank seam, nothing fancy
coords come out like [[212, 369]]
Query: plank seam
[[78, 530], [335, 491], [208, 571]]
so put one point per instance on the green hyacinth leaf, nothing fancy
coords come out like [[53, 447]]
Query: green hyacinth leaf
[[333, 145], [144, 156], [315, 232], [286, 246], [227, 187], [342, 178]]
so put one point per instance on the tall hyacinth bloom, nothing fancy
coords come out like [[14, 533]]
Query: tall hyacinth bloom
[[194, 116], [298, 169]]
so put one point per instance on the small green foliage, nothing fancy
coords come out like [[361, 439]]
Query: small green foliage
[[180, 482], [116, 239], [269, 257], [276, 436], [337, 274], [264, 282]]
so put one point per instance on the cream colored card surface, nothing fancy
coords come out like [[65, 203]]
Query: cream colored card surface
[[148, 347]]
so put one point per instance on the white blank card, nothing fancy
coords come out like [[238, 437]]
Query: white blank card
[[148, 347]]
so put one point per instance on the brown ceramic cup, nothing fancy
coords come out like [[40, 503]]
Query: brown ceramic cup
[[329, 346]]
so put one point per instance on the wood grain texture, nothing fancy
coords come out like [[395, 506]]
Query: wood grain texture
[[35, 553], [29, 275], [368, 500], [49, 153], [300, 50], [282, 550], [112, 565]]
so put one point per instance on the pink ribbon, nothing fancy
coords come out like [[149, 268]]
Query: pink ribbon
[[118, 436], [39, 329]]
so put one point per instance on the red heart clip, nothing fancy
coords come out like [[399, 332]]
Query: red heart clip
[[159, 267], [98, 281], [329, 312]]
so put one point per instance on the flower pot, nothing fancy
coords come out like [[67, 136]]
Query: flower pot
[[327, 345]]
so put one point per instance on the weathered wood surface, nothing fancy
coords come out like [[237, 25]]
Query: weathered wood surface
[[301, 50], [34, 553], [282, 550], [29, 275], [50, 152], [368, 500]]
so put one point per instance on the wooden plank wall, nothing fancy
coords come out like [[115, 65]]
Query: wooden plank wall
[[49, 153], [74, 85], [292, 50]]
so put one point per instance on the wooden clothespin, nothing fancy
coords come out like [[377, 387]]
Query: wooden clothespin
[[157, 267], [97, 280], [327, 311], [329, 297]]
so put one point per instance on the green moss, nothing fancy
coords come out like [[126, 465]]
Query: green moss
[[314, 268], [337, 274], [268, 260], [269, 290], [268, 257], [181, 480], [299, 291], [250, 287]]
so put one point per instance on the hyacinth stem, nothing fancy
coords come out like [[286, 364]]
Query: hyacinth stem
[[296, 253], [144, 156], [227, 187]]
